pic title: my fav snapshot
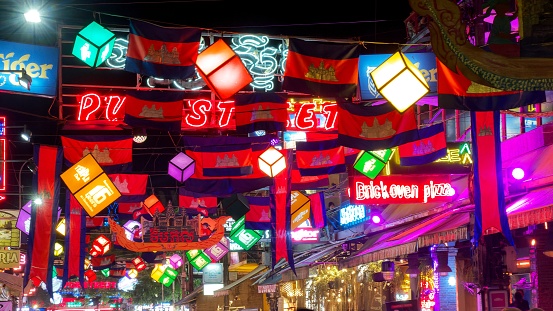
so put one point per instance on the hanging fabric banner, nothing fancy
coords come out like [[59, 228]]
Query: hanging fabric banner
[[430, 147], [42, 232], [154, 110], [75, 245], [260, 111], [489, 198]]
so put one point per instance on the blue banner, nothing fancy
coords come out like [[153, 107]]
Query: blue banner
[[426, 62], [39, 62]]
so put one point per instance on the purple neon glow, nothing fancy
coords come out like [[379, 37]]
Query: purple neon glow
[[518, 173], [181, 167]]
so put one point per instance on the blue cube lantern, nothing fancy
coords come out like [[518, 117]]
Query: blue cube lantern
[[93, 44]]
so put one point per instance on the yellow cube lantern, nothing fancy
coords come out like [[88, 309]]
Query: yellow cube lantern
[[61, 227], [157, 272], [58, 249], [132, 273], [399, 81], [272, 162]]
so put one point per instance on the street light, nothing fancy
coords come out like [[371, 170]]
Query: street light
[[32, 167], [32, 16], [24, 80]]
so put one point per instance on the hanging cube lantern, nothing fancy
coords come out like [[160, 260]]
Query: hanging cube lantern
[[58, 249], [87, 263], [222, 70], [371, 163], [139, 264], [90, 275], [132, 273], [94, 253], [165, 280], [176, 261], [198, 259], [152, 204], [399, 81], [133, 229], [157, 272], [60, 228], [246, 238], [24, 218], [217, 251], [90, 185], [300, 209], [170, 272], [272, 162], [102, 244], [181, 167], [93, 44], [105, 272], [236, 206]]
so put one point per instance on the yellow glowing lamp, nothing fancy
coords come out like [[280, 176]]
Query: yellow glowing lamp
[[399, 81], [132, 273], [157, 272], [61, 227], [87, 263], [58, 249], [272, 162]]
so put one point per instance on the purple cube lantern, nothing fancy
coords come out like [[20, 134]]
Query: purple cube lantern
[[24, 218], [181, 167], [175, 261], [217, 251]]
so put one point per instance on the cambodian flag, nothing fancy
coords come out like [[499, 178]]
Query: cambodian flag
[[162, 52], [154, 110], [260, 111], [430, 147]]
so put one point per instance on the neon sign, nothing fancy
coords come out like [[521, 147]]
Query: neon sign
[[305, 233], [203, 113], [352, 215], [405, 189], [2, 155]]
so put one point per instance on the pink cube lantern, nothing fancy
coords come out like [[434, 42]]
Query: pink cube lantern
[[181, 167], [217, 251], [176, 261]]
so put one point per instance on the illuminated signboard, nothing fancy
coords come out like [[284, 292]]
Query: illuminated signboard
[[2, 154], [458, 160], [400, 189], [305, 233], [302, 116], [90, 185], [9, 259], [352, 214]]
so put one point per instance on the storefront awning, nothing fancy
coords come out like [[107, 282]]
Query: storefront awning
[[227, 289], [402, 240], [13, 283], [533, 208], [190, 297]]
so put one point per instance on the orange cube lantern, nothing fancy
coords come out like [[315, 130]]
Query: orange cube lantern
[[222, 70], [152, 204], [102, 245]]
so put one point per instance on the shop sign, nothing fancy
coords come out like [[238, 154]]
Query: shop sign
[[404, 189], [213, 273], [39, 62], [405, 305], [311, 115], [352, 214], [305, 233], [9, 259]]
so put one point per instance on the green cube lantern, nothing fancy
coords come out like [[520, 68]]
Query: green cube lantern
[[172, 273], [371, 163], [198, 259], [93, 44], [105, 272], [246, 238], [166, 280]]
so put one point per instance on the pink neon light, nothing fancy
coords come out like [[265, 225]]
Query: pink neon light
[[114, 105], [198, 115], [305, 118], [227, 111], [89, 104]]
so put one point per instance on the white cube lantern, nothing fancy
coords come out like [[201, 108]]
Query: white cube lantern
[[399, 81], [181, 167], [272, 162]]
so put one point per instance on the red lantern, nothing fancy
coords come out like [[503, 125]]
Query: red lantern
[[139, 264], [90, 275], [152, 204], [222, 70], [102, 245]]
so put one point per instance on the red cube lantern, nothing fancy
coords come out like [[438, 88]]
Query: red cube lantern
[[102, 245], [90, 275], [222, 70], [152, 204], [139, 264]]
